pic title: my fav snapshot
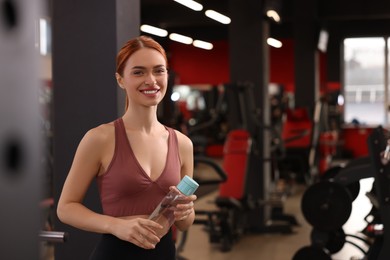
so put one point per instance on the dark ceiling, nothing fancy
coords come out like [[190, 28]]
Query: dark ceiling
[[360, 16]]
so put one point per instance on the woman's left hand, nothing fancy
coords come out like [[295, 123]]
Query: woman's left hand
[[183, 211], [185, 208]]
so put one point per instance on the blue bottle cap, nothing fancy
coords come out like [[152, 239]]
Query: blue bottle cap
[[187, 186]]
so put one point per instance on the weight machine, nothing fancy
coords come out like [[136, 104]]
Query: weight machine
[[244, 203], [327, 205]]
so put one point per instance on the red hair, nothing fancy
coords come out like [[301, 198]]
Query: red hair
[[130, 47]]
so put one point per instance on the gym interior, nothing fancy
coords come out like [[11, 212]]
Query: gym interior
[[286, 103]]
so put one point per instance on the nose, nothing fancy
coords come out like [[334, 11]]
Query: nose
[[150, 82], [150, 78]]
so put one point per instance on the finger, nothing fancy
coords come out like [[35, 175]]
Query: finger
[[152, 236], [191, 197], [138, 240], [186, 206], [185, 216], [173, 188], [147, 223], [150, 231], [143, 241], [188, 213]]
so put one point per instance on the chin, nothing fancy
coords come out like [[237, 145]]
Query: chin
[[153, 103]]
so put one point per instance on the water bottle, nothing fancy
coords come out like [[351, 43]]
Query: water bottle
[[163, 214]]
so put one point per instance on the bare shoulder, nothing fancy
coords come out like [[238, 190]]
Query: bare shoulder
[[183, 139], [185, 144], [100, 135]]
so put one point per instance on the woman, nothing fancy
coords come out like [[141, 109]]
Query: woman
[[136, 161]]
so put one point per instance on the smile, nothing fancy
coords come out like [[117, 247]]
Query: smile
[[150, 92]]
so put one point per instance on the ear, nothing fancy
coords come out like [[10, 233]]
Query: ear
[[119, 80]]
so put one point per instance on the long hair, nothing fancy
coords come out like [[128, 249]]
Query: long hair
[[131, 47]]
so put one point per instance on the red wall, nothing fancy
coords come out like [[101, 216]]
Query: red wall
[[282, 65], [198, 66]]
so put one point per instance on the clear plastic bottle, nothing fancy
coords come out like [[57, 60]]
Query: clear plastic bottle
[[163, 214]]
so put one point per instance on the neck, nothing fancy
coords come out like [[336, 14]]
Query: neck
[[142, 119]]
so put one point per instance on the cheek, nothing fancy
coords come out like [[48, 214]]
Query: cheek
[[165, 85], [133, 82], [165, 80], [162, 81], [164, 88]]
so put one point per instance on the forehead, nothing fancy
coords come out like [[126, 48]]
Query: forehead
[[146, 57]]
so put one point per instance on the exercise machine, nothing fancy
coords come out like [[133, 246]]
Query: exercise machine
[[327, 205], [243, 203], [301, 134]]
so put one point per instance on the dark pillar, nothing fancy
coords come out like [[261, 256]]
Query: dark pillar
[[248, 32], [86, 38], [128, 19], [21, 172], [306, 31], [334, 56]]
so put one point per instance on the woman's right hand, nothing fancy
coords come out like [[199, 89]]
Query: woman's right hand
[[139, 231]]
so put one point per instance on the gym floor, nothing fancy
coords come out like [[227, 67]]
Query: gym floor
[[276, 246]]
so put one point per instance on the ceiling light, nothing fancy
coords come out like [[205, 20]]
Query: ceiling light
[[202, 44], [274, 15], [154, 30], [218, 17], [274, 43], [180, 38], [190, 4]]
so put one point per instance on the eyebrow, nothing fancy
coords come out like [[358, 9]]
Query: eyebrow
[[142, 67]]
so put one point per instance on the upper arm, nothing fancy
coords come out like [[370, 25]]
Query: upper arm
[[186, 154], [85, 167]]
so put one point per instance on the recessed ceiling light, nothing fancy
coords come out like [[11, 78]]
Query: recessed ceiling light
[[274, 15], [190, 4], [202, 44], [274, 43], [153, 30], [218, 16], [180, 38]]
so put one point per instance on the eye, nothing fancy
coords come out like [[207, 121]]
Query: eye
[[137, 72], [160, 71]]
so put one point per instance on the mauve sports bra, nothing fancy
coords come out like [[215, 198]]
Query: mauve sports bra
[[125, 189]]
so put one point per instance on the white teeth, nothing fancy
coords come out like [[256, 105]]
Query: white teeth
[[150, 91]]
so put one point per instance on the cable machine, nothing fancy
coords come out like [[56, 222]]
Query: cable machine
[[245, 114]]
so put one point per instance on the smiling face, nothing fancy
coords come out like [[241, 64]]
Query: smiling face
[[144, 77]]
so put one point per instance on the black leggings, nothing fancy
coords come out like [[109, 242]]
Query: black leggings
[[112, 248]]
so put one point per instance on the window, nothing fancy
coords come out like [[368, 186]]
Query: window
[[366, 80]]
